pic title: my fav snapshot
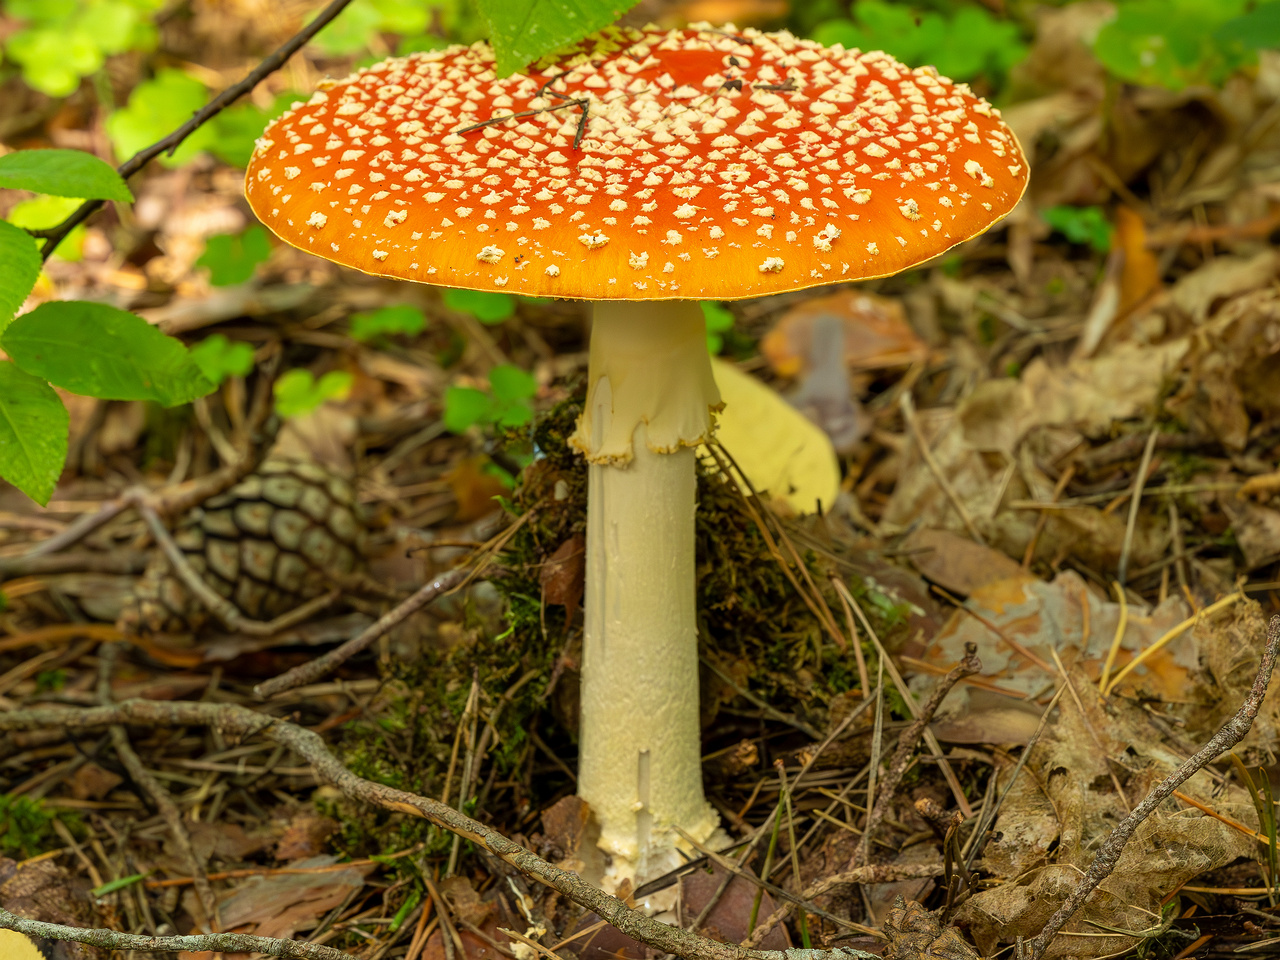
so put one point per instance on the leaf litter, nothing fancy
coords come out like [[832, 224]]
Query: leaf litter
[[1040, 369]]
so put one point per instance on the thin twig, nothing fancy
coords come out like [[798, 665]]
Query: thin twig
[[909, 699], [270, 65], [215, 942], [909, 415], [313, 670], [1139, 482], [237, 721], [1232, 732], [169, 811], [909, 739]]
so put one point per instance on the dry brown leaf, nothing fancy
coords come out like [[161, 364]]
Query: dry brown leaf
[[474, 488], [563, 574], [876, 334], [957, 563], [1070, 795]]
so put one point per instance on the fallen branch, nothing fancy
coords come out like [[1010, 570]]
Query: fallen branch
[[1232, 732], [237, 721], [216, 942]]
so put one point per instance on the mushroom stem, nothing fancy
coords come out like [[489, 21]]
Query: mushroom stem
[[640, 752]]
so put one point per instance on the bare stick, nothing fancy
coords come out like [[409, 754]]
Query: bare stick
[[909, 739], [237, 721], [313, 670], [55, 235], [1232, 732], [216, 942]]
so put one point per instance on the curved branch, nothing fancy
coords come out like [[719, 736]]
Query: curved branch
[[55, 235], [237, 721]]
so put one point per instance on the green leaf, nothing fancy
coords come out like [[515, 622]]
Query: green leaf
[[509, 382], [1172, 43], [33, 433], [231, 258], [63, 173], [99, 351], [523, 31], [404, 319], [155, 109], [465, 406], [1081, 225], [41, 213], [298, 392], [485, 306], [19, 268], [111, 886], [219, 358]]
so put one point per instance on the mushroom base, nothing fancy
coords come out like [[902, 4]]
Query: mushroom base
[[640, 765]]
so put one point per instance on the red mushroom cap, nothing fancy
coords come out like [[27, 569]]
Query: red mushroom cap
[[647, 164]]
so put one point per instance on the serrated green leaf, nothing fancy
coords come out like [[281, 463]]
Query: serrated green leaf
[[231, 258], [33, 433], [485, 306], [19, 268], [219, 358], [63, 173], [522, 31], [464, 406], [99, 351]]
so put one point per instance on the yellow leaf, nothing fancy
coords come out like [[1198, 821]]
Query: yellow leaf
[[777, 447], [15, 946]]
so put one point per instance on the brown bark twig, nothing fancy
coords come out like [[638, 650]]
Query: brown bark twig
[[216, 942], [313, 670], [909, 739], [55, 235], [236, 721], [1232, 732]]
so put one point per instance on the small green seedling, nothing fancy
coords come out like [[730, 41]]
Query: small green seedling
[[232, 258], [1179, 43], [298, 392], [388, 321], [219, 358], [965, 45], [719, 320], [1083, 225], [487, 307], [505, 404]]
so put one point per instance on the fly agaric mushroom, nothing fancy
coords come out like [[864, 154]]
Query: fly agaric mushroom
[[639, 166]]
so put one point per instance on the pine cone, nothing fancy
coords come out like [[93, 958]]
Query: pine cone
[[915, 934], [284, 534]]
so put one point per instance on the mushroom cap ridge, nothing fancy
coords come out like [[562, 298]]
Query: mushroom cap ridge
[[711, 164]]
